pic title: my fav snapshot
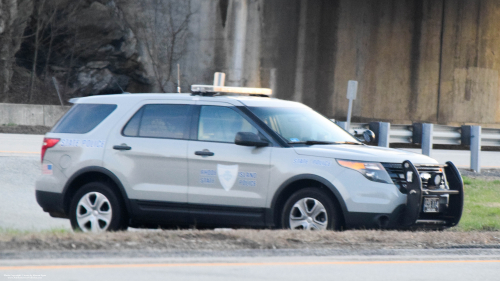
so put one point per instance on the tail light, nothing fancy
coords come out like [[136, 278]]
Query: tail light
[[48, 143]]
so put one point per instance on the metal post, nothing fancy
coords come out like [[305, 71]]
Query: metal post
[[352, 89], [57, 89], [427, 138], [383, 134], [178, 78], [349, 111], [475, 149]]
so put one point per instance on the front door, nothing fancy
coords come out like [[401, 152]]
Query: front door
[[225, 178]]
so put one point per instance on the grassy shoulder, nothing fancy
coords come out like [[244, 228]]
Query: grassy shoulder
[[482, 205]]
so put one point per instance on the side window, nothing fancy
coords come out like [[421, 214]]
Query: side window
[[221, 124], [83, 118], [159, 121]]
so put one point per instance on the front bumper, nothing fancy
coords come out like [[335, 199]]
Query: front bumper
[[411, 214], [451, 199]]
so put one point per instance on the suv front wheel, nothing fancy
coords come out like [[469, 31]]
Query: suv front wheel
[[310, 209], [96, 208]]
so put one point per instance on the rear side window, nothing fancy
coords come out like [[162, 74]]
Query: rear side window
[[82, 118], [159, 121]]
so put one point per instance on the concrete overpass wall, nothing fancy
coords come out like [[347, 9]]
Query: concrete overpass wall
[[415, 60]]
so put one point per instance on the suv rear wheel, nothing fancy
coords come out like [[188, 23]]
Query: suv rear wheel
[[310, 209], [96, 208]]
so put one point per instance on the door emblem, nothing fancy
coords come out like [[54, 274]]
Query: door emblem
[[227, 175]]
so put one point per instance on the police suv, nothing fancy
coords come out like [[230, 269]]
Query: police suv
[[232, 157]]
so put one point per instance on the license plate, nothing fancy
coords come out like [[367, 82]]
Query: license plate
[[431, 205]]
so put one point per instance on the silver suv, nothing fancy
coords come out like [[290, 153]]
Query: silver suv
[[232, 157]]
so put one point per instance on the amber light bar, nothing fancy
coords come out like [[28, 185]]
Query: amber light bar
[[232, 90]]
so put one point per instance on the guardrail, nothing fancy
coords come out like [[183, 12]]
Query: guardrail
[[427, 135]]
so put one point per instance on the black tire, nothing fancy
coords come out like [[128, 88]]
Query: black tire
[[332, 220], [111, 206]]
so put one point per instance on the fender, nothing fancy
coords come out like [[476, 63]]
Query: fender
[[104, 171], [325, 182]]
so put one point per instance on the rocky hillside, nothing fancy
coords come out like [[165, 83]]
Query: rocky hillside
[[88, 47]]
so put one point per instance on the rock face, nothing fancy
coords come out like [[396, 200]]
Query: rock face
[[85, 45], [13, 15]]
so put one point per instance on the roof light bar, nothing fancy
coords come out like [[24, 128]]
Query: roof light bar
[[232, 90]]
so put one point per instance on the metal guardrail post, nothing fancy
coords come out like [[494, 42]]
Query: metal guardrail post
[[383, 134], [427, 138], [342, 124], [475, 148]]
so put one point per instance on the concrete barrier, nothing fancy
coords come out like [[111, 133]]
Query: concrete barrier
[[31, 114]]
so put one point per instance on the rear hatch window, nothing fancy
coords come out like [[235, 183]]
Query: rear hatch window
[[82, 118]]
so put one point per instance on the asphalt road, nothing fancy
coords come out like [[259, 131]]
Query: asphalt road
[[19, 168], [374, 268]]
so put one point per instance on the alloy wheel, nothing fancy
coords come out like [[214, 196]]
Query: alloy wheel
[[308, 214]]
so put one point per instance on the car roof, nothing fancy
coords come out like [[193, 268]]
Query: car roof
[[127, 98]]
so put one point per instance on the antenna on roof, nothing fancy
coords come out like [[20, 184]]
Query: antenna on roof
[[219, 78], [123, 92], [178, 79]]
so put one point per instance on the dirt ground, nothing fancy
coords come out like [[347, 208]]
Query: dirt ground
[[248, 239]]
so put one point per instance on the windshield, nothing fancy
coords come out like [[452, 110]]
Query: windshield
[[302, 125]]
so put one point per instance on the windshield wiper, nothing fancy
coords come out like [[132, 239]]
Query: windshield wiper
[[348, 142], [312, 142]]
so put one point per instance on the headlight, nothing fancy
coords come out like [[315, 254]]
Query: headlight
[[371, 170]]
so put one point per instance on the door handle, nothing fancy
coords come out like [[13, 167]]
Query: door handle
[[122, 146], [204, 153]]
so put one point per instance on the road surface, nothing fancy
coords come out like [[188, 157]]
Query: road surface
[[373, 268]]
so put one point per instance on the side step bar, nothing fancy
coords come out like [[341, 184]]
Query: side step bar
[[440, 192]]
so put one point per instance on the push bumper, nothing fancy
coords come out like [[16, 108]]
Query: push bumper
[[410, 215], [449, 200]]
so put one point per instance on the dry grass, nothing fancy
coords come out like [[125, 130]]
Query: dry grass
[[246, 239]]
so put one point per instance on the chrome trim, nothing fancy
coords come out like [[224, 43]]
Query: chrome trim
[[430, 222]]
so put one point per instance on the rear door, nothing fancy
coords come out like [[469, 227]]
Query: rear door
[[226, 179], [148, 153]]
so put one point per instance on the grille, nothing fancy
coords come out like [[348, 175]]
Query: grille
[[397, 175], [395, 171]]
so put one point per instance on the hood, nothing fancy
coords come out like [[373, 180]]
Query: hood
[[364, 153]]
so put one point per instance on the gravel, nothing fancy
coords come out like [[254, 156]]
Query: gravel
[[200, 242], [21, 129], [486, 174]]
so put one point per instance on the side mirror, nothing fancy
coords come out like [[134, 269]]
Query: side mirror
[[249, 139], [369, 136]]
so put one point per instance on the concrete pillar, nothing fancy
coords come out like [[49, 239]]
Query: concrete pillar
[[237, 60], [273, 80], [301, 53]]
